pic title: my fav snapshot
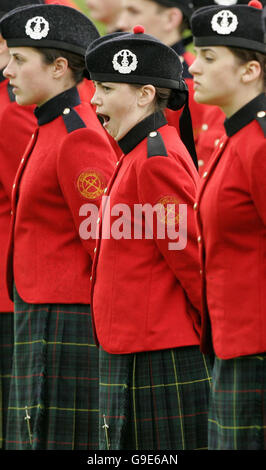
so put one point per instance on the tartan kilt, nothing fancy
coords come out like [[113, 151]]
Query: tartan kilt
[[154, 400], [6, 353], [55, 375], [237, 417]]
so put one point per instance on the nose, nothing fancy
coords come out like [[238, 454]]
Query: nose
[[123, 22], [96, 100], [194, 67], [8, 71]]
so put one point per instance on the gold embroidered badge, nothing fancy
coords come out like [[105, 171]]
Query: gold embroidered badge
[[169, 211], [91, 184]]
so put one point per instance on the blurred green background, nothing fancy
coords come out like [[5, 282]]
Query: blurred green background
[[82, 5]]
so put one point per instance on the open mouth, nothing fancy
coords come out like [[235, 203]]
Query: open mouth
[[13, 86], [104, 118]]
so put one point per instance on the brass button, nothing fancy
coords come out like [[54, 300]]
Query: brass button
[[205, 127], [261, 114], [204, 174], [66, 111], [195, 206], [200, 162], [199, 238], [153, 134]]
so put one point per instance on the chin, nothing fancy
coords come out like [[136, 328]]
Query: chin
[[199, 98], [22, 101]]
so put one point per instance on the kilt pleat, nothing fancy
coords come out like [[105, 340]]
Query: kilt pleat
[[237, 417], [54, 378], [6, 354], [154, 400]]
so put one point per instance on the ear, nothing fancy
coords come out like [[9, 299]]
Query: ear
[[3, 45], [174, 18], [251, 72], [60, 67], [146, 95]]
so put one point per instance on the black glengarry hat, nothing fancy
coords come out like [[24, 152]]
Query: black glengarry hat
[[134, 58], [139, 58], [186, 6], [241, 26], [228, 3], [50, 26], [8, 5]]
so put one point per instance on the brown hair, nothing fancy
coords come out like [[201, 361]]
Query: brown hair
[[75, 61], [244, 55]]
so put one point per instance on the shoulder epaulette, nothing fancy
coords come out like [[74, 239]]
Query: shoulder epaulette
[[156, 147], [261, 119], [72, 120], [10, 93]]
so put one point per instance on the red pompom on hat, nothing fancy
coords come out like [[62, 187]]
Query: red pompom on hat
[[255, 4], [138, 29]]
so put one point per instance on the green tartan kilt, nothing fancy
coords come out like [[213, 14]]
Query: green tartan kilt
[[55, 376], [6, 353], [237, 417], [154, 400]]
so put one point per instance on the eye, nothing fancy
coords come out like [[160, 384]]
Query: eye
[[106, 88], [208, 55], [18, 59]]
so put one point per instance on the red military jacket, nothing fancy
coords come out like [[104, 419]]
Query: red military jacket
[[146, 296], [207, 133], [231, 219], [66, 165], [16, 126]]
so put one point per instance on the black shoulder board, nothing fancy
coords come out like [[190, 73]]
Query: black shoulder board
[[156, 145], [261, 119], [10, 93], [72, 120]]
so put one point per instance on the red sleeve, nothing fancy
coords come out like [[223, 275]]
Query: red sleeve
[[172, 185], [258, 179], [85, 165], [17, 124]]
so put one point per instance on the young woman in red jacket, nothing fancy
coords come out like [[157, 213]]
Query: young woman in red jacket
[[53, 402], [154, 382], [16, 126], [229, 71]]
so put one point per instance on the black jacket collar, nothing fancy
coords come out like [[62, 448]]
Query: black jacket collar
[[55, 107], [245, 115], [141, 131]]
